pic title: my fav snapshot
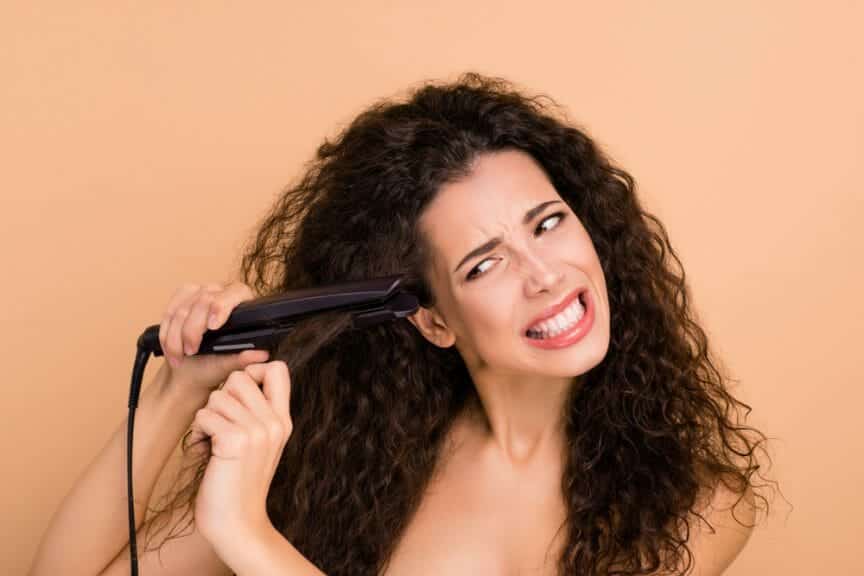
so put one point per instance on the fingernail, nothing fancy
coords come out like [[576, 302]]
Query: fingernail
[[211, 323], [188, 350]]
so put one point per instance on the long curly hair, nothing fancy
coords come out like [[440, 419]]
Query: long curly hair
[[649, 430]]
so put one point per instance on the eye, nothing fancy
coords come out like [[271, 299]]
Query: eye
[[559, 215], [473, 273]]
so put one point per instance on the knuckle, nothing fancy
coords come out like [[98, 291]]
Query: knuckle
[[278, 369], [183, 290], [241, 290], [275, 429], [236, 379], [180, 294], [216, 398]]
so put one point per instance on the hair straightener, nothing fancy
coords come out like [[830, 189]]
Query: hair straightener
[[261, 323]]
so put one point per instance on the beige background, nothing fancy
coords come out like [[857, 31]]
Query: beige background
[[140, 142]]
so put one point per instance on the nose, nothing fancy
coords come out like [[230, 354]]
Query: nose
[[539, 274]]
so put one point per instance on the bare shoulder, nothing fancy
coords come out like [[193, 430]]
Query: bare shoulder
[[731, 519]]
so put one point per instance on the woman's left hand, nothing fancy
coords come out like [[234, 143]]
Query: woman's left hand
[[248, 428]]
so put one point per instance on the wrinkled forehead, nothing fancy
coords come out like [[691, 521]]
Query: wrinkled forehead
[[491, 201]]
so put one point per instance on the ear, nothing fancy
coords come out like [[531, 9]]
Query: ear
[[431, 324]]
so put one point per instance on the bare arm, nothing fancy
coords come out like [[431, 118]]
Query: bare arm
[[91, 526], [260, 555], [188, 553], [89, 532], [267, 553]]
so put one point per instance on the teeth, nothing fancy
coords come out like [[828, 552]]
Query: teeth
[[560, 322]]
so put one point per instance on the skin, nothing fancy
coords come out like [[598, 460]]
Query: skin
[[522, 387], [494, 504]]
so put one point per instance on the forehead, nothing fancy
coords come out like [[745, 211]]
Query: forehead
[[490, 201]]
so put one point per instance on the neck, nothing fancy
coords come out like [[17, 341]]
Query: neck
[[521, 419]]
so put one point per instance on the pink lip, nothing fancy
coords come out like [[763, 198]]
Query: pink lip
[[553, 310], [572, 335]]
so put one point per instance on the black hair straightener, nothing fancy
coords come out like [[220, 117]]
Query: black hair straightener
[[260, 324]]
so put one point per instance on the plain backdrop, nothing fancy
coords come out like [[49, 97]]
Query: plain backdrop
[[141, 141]]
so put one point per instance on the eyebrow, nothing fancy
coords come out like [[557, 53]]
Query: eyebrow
[[492, 243]]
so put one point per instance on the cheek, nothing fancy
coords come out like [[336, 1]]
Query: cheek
[[577, 243], [493, 317], [578, 251], [484, 309]]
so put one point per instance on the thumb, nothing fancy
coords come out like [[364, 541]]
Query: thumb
[[213, 369], [231, 362]]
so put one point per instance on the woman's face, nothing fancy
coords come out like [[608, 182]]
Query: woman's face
[[486, 300]]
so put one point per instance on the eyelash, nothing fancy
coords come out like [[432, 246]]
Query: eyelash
[[561, 216]]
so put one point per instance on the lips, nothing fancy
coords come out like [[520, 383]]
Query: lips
[[555, 309]]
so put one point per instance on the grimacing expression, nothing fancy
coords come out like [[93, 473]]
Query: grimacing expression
[[485, 302]]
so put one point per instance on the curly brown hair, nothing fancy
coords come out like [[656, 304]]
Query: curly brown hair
[[651, 428]]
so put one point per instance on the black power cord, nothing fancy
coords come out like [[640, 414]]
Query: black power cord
[[141, 357]]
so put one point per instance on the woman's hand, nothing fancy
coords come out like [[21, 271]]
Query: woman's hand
[[192, 310], [248, 428]]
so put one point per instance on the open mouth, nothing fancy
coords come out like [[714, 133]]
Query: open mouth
[[570, 320]]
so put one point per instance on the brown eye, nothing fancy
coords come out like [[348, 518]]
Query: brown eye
[[475, 271]]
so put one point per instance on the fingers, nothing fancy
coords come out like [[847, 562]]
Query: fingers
[[231, 296], [226, 441], [241, 388], [195, 325], [230, 408], [168, 348], [192, 310], [239, 413], [181, 307], [276, 387]]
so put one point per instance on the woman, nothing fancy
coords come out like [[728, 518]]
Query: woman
[[552, 408]]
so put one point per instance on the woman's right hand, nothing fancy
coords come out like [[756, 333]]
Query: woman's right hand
[[192, 310]]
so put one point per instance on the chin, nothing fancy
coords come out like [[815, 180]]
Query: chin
[[572, 361]]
